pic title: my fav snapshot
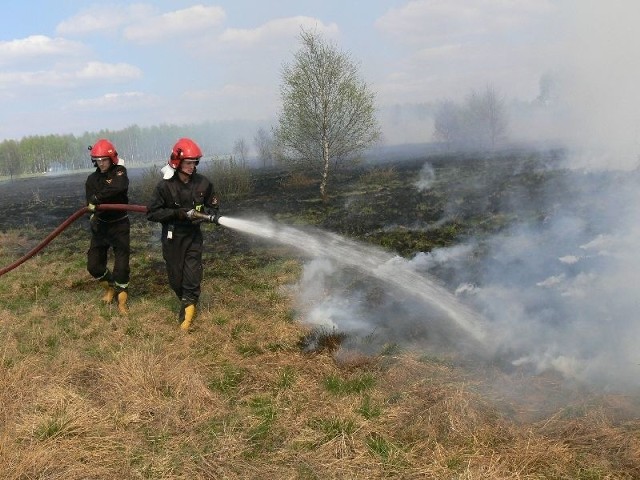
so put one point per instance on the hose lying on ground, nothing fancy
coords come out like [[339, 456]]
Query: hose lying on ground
[[65, 224]]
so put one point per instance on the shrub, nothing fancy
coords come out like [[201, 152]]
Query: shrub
[[147, 184], [230, 178]]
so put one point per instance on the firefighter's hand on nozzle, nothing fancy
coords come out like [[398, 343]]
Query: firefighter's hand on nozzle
[[196, 216], [181, 213]]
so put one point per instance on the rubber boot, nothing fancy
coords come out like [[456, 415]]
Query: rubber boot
[[189, 313], [109, 292], [122, 303]]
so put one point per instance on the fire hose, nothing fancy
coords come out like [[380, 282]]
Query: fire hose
[[193, 215], [80, 213], [64, 225]]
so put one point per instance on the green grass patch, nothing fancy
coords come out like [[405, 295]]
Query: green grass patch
[[380, 447], [231, 377], [53, 427], [369, 409], [339, 386], [249, 349], [333, 427], [286, 378]]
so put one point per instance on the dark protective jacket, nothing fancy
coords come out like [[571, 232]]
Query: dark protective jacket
[[182, 242], [109, 187], [172, 199]]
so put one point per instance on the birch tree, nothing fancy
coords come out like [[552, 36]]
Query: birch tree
[[328, 112]]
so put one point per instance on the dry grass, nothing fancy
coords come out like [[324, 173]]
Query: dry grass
[[87, 394]]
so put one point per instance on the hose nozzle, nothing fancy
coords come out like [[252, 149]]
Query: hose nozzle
[[195, 215]]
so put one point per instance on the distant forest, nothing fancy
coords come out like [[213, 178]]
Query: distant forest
[[136, 145]]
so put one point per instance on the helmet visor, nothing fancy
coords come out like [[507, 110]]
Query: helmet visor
[[100, 159]]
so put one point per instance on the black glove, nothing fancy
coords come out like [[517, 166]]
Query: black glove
[[181, 214]]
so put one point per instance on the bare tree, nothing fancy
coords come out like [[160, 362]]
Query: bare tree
[[448, 123], [328, 113], [495, 116], [548, 90], [241, 151], [486, 117], [263, 142], [481, 122]]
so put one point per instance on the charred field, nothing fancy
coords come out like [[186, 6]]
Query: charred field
[[399, 205], [404, 206], [255, 391]]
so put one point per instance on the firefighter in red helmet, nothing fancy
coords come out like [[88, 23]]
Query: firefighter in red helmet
[[178, 197], [109, 228]]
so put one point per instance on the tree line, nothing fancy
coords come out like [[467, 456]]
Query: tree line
[[137, 145]]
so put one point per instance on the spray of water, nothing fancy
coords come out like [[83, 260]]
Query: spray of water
[[370, 260]]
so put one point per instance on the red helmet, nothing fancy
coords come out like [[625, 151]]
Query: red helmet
[[104, 148], [184, 148]]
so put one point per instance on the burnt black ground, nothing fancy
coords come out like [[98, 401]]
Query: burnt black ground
[[42, 202], [378, 203]]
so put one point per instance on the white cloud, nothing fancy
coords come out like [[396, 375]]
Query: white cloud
[[115, 101], [108, 71], [103, 19], [428, 20], [234, 90], [449, 48], [171, 25], [274, 30], [431, 21], [90, 72], [36, 46], [237, 100], [441, 52]]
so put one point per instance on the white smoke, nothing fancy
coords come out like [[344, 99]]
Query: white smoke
[[360, 288], [426, 177], [598, 77], [561, 292], [565, 294]]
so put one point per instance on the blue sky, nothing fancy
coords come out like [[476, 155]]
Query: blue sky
[[70, 66]]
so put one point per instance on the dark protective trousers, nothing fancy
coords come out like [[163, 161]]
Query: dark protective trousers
[[183, 257], [116, 236]]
